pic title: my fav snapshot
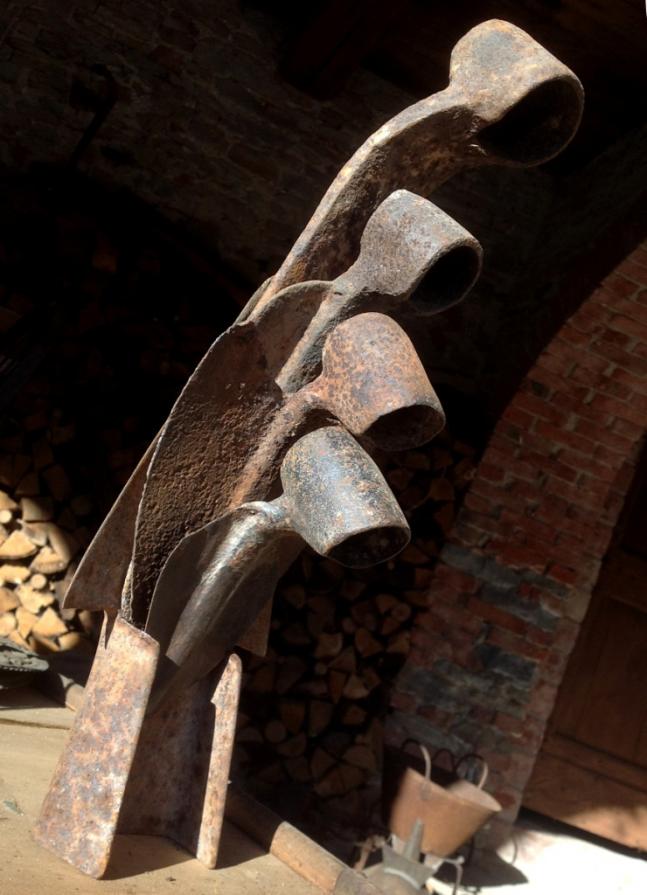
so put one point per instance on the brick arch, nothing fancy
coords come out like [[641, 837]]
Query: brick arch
[[515, 578]]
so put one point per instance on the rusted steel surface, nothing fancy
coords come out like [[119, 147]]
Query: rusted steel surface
[[508, 102], [181, 794], [99, 578], [196, 543], [238, 429], [374, 383], [78, 819], [215, 424], [335, 499]]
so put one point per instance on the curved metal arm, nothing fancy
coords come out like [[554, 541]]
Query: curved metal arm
[[509, 102]]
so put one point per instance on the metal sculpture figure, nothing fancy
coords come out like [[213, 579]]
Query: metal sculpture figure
[[185, 564]]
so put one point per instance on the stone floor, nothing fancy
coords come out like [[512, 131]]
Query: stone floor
[[545, 858]]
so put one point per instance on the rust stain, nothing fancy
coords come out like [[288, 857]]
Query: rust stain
[[194, 546]]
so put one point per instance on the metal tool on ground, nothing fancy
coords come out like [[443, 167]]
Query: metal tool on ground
[[334, 499], [166, 772]]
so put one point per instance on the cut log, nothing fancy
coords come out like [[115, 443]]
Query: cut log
[[292, 714], [57, 482], [49, 624], [17, 638], [11, 574], [34, 600], [339, 780], [39, 643], [66, 520], [293, 747], [35, 531], [36, 509], [296, 635], [63, 543], [351, 588], [274, 731], [355, 688], [8, 599], [17, 546], [385, 602], [42, 454], [48, 562], [401, 612], [295, 595], [337, 682], [320, 763], [297, 769], [26, 621], [28, 485], [319, 716], [38, 581], [345, 661], [81, 506], [21, 463], [353, 716], [262, 681], [400, 643], [361, 756], [365, 644], [329, 645], [74, 640], [389, 625], [290, 672], [7, 623], [7, 502]]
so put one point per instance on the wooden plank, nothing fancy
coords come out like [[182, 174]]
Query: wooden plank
[[141, 864], [617, 708], [589, 801], [26, 706], [590, 759]]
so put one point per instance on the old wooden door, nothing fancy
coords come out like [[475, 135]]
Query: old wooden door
[[592, 768]]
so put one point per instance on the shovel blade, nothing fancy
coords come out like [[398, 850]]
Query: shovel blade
[[78, 820]]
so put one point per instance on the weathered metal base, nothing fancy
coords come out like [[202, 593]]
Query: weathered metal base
[[164, 775]]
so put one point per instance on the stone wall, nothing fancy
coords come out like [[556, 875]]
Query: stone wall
[[515, 578]]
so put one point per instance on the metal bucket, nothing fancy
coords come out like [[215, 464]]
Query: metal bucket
[[451, 808]]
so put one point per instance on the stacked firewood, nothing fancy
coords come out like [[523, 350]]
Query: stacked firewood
[[104, 313], [43, 531], [313, 708]]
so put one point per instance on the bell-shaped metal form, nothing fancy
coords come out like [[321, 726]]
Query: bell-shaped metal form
[[338, 501], [374, 383]]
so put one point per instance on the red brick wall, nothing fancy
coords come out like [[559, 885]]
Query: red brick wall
[[516, 576]]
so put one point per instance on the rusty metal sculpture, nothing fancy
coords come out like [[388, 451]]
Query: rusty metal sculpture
[[185, 564]]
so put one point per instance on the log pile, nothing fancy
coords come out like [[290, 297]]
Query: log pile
[[313, 709], [104, 313], [43, 531]]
